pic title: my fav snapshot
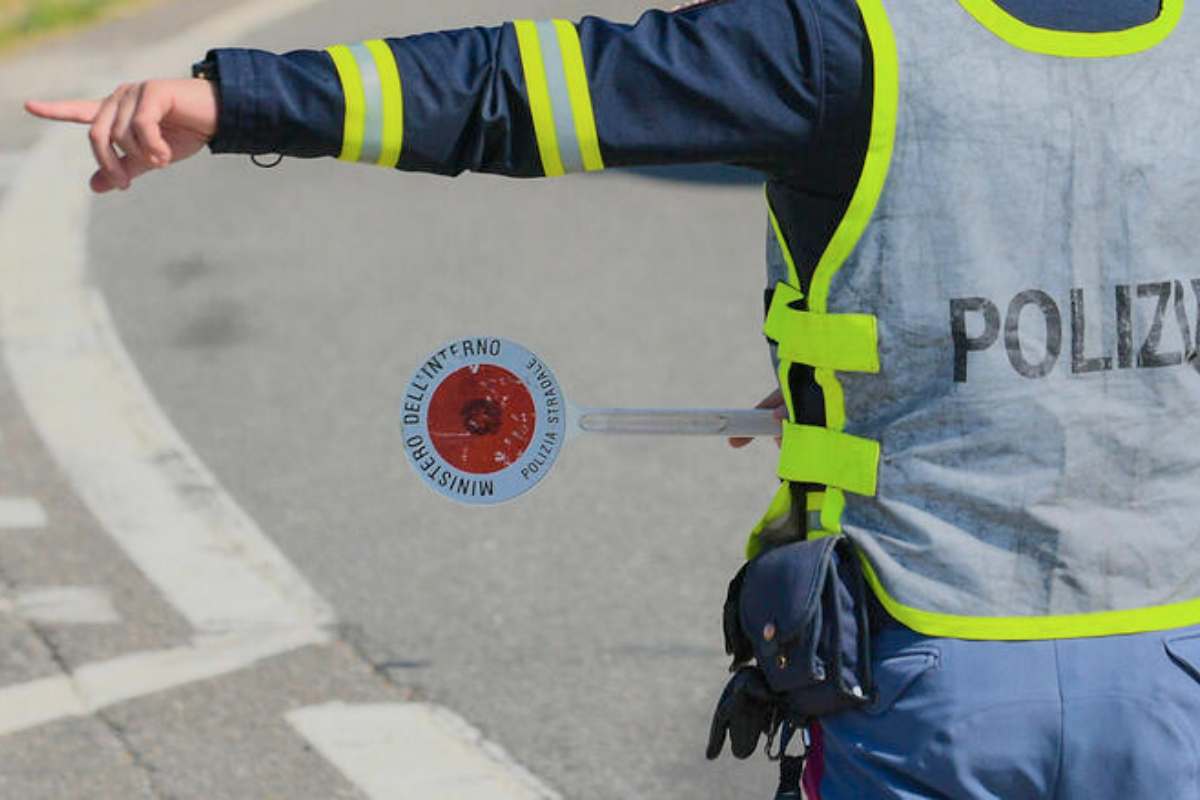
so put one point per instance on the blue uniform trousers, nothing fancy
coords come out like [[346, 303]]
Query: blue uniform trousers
[[1114, 718]]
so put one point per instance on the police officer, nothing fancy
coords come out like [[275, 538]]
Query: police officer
[[984, 300]]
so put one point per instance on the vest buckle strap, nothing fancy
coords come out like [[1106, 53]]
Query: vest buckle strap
[[841, 342], [830, 458]]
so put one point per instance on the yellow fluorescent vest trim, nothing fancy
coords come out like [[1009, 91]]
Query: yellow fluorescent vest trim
[[830, 458], [1070, 626], [393, 102], [355, 101], [581, 96], [845, 239], [1070, 44], [846, 342], [794, 281], [793, 274], [539, 97], [781, 506], [879, 154], [858, 215]]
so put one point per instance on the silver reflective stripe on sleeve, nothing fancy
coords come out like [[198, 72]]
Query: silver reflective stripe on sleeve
[[560, 98], [560, 101], [372, 146]]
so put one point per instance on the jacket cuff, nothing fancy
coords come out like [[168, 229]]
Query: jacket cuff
[[239, 129], [288, 103]]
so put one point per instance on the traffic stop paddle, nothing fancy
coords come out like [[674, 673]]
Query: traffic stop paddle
[[484, 420]]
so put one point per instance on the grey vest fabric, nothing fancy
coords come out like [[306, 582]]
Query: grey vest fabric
[[1035, 267]]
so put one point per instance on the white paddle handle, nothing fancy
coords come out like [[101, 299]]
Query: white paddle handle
[[680, 422]]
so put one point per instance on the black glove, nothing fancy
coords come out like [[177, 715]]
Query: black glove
[[737, 644], [747, 710]]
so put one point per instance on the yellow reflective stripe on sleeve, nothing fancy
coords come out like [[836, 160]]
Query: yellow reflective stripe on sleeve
[[538, 92], [560, 100], [392, 133], [1068, 626], [843, 342], [831, 458], [793, 274], [580, 95], [373, 129], [1072, 44], [355, 102]]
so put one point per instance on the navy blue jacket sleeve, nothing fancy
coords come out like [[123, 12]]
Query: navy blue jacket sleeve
[[732, 81]]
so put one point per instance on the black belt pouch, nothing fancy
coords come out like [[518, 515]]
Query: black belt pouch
[[804, 609]]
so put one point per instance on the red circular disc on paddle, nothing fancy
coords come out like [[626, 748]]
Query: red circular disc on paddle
[[481, 419]]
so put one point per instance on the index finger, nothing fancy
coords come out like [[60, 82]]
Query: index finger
[[82, 111]]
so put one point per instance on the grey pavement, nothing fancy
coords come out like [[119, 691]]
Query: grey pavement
[[61, 65], [276, 315]]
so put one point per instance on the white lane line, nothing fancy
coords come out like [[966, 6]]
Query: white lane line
[[107, 683], [21, 513], [133, 470], [414, 751], [160, 503], [63, 605]]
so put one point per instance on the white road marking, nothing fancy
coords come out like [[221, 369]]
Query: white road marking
[[135, 473], [21, 513], [164, 508], [94, 413], [414, 751], [63, 605], [107, 683]]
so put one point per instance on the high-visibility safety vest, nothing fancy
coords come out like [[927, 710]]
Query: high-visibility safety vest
[[1005, 327]]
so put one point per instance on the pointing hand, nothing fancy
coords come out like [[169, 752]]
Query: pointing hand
[[140, 126]]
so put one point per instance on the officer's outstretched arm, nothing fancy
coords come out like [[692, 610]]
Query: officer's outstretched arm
[[735, 81]]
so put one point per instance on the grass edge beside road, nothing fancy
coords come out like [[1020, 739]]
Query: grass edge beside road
[[24, 22]]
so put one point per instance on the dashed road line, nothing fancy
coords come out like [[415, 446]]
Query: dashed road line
[[414, 751], [63, 605], [21, 513], [96, 686]]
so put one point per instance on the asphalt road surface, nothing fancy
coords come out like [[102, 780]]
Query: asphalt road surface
[[276, 315]]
